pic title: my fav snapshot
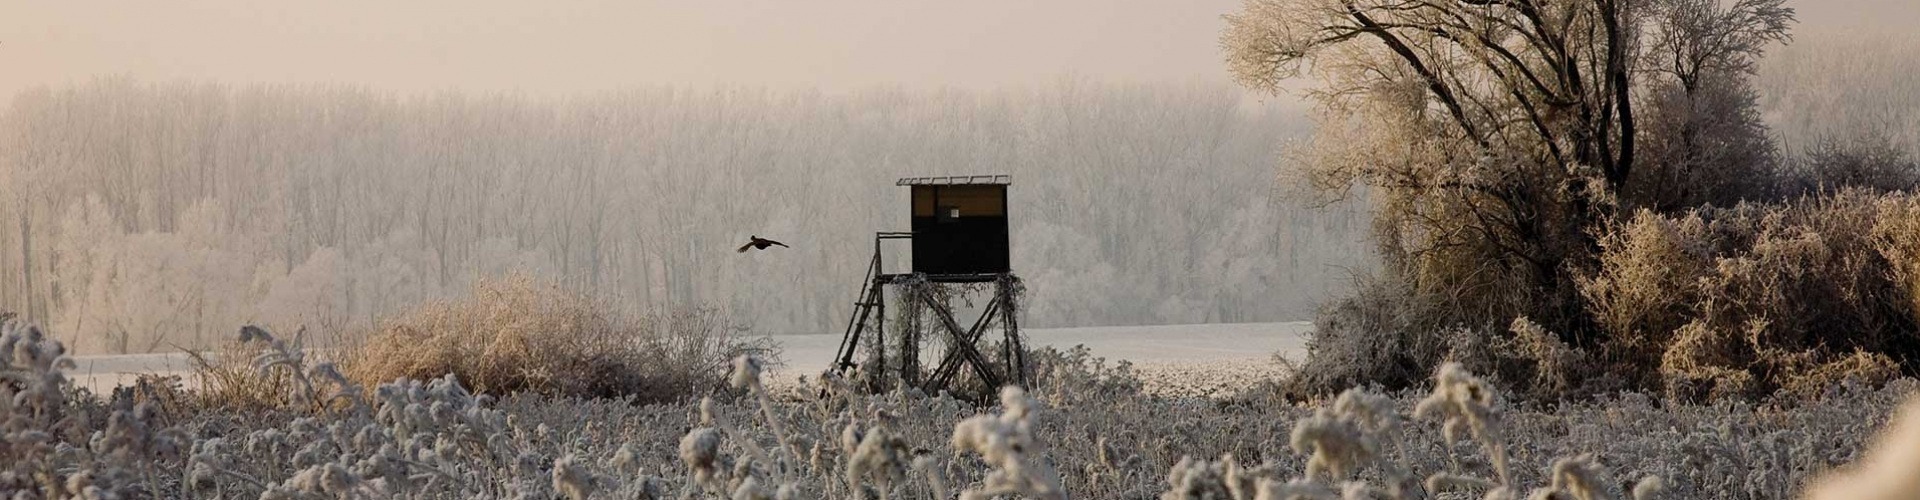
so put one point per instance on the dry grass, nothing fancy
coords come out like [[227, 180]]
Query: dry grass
[[518, 335], [229, 379], [1761, 299], [1752, 301], [1383, 334]]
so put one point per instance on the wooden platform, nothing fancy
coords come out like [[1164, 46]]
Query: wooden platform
[[942, 278]]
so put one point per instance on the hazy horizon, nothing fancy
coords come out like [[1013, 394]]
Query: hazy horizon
[[494, 46], [587, 46]]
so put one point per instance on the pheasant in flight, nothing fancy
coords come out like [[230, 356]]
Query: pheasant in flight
[[758, 243]]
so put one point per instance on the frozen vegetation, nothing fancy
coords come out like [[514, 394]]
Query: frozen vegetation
[[1578, 198], [1087, 431]]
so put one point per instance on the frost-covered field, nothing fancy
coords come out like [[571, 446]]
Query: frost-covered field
[[1227, 355], [1088, 430]]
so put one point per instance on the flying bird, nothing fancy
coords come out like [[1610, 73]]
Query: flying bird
[[758, 243]]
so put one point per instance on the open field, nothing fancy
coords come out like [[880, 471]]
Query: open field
[[1085, 430], [1235, 351]]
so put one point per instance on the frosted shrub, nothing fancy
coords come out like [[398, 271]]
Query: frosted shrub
[[572, 480], [1223, 480], [319, 385], [521, 334], [1352, 435], [1337, 447], [1006, 442], [1465, 404], [1759, 299], [746, 375], [1555, 365], [1577, 477], [714, 472], [1751, 300], [700, 450], [30, 368], [31, 400], [875, 456], [1078, 375]]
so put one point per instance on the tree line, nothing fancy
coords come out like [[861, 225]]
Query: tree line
[[142, 215]]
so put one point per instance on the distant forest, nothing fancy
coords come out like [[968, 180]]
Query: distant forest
[[1828, 86], [140, 215]]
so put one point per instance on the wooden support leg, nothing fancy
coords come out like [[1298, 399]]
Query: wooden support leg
[[964, 345], [1016, 348], [954, 358], [910, 342]]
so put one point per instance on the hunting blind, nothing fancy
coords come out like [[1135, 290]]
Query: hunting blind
[[960, 225], [960, 246]]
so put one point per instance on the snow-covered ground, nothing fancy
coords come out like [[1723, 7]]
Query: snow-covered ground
[[1140, 344], [1245, 347]]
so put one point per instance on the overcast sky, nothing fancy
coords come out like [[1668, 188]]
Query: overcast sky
[[563, 46]]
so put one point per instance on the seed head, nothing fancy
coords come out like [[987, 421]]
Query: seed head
[[746, 372], [572, 480]]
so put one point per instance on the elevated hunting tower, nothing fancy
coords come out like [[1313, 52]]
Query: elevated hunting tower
[[960, 248], [960, 225]]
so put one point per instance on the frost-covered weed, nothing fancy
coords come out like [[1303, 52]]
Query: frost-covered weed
[[1464, 404], [1007, 443], [1103, 438]]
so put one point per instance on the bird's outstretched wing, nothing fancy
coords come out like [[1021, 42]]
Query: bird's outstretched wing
[[784, 245], [744, 248]]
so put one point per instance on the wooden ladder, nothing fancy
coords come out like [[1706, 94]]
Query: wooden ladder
[[870, 304]]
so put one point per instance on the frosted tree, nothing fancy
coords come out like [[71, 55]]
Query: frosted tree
[[1705, 143], [1495, 133]]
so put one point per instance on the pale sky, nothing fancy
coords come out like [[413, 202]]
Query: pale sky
[[565, 46]]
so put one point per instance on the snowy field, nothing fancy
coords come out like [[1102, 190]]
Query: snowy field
[[1107, 441], [1229, 353]]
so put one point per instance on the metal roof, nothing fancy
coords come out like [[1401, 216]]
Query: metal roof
[[957, 180]]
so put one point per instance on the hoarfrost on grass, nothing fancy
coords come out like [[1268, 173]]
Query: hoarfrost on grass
[[1090, 432]]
